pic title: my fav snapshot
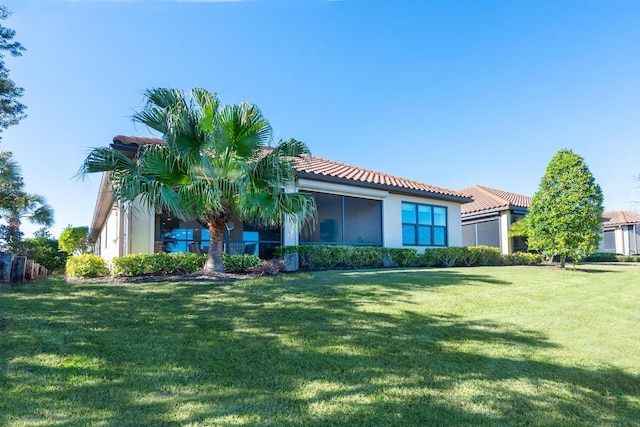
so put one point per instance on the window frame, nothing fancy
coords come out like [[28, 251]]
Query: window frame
[[417, 224]]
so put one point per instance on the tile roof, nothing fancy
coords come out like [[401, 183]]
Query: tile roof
[[614, 218], [328, 170], [490, 199], [135, 141], [320, 169]]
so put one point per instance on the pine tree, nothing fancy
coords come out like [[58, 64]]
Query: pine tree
[[11, 111]]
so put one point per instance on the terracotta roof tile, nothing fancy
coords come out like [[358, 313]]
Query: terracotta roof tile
[[485, 198], [136, 140], [321, 168], [327, 168], [613, 218]]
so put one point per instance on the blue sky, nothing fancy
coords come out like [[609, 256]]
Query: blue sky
[[451, 93]]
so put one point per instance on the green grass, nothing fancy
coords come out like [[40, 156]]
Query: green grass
[[475, 346]]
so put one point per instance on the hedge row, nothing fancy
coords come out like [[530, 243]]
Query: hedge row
[[326, 257], [88, 266], [611, 257]]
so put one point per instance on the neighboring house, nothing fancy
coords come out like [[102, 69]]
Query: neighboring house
[[355, 207], [487, 220], [621, 233]]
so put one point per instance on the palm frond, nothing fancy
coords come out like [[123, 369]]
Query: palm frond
[[105, 159]]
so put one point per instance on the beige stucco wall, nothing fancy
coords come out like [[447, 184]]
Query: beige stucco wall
[[110, 236], [505, 241], [141, 229], [392, 210], [392, 220]]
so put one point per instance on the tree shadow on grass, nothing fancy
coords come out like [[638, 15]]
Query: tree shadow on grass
[[284, 352]]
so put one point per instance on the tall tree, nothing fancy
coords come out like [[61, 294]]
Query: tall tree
[[216, 164], [565, 217], [11, 110], [43, 249], [16, 204], [75, 240]]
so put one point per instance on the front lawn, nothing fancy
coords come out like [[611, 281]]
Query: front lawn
[[461, 346]]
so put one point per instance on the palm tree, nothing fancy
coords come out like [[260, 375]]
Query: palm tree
[[16, 204], [215, 164]]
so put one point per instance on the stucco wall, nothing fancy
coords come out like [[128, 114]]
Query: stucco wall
[[141, 229], [392, 220], [392, 210], [110, 235]]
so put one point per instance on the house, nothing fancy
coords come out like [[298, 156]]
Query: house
[[355, 207], [486, 221], [621, 233]]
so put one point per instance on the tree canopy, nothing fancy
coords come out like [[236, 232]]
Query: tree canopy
[[216, 164], [75, 240], [11, 110], [16, 204], [565, 217]]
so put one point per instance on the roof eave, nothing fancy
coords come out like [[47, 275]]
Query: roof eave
[[386, 187], [104, 203]]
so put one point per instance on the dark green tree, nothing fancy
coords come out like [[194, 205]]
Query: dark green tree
[[43, 249], [565, 217], [216, 164], [75, 240], [11, 110], [16, 204]]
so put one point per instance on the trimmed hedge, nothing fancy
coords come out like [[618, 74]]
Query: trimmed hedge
[[240, 263], [86, 266], [327, 257], [601, 257], [158, 264], [177, 263]]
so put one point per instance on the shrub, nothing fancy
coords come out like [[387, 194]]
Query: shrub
[[602, 257], [488, 255], [447, 257], [326, 257], [241, 263], [158, 264], [628, 258], [362, 257], [86, 266], [523, 258], [400, 257]]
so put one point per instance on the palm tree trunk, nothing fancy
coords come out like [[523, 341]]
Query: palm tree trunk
[[214, 256], [14, 229]]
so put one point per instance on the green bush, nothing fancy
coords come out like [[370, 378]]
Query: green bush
[[602, 257], [362, 257], [400, 257], [445, 257], [523, 258], [326, 257], [158, 264], [628, 258], [86, 266], [241, 263], [488, 255]]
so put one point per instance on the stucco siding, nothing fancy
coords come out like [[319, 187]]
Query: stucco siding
[[392, 220], [110, 235], [141, 229]]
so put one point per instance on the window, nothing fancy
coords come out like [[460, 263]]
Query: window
[[345, 220], [424, 225], [239, 238]]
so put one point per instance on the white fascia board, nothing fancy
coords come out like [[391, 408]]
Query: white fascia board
[[345, 190]]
